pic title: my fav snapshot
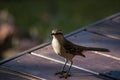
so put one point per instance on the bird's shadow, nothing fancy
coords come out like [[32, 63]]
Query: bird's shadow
[[111, 75]]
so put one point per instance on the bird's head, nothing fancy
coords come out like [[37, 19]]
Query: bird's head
[[56, 32]]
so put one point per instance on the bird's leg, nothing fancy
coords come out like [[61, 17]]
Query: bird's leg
[[63, 69], [67, 74]]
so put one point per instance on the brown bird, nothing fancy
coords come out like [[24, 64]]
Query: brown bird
[[68, 50]]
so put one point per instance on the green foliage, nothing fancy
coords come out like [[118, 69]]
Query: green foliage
[[68, 15]]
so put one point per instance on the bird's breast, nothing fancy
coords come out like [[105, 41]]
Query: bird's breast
[[56, 46]]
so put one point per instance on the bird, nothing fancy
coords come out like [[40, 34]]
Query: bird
[[68, 50]]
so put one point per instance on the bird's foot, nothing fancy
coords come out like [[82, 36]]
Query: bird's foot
[[65, 76], [61, 73]]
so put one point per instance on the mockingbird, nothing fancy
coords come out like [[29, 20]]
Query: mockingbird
[[68, 50]]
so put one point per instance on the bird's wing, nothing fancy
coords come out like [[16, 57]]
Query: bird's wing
[[72, 48]]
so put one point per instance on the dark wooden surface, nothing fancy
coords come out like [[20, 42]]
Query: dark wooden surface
[[41, 62]]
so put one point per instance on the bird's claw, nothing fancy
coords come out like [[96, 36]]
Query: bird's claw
[[61, 73], [65, 76]]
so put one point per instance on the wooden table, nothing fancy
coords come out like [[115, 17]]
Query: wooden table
[[40, 62]]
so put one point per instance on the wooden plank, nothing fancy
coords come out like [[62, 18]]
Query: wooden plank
[[45, 69], [108, 28], [11, 74], [8, 76]]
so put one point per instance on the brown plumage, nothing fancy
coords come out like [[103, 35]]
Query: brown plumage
[[68, 50]]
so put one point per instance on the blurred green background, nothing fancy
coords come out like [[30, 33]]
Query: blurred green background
[[36, 18]]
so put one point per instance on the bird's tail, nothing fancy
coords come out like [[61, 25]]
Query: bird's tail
[[97, 49]]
